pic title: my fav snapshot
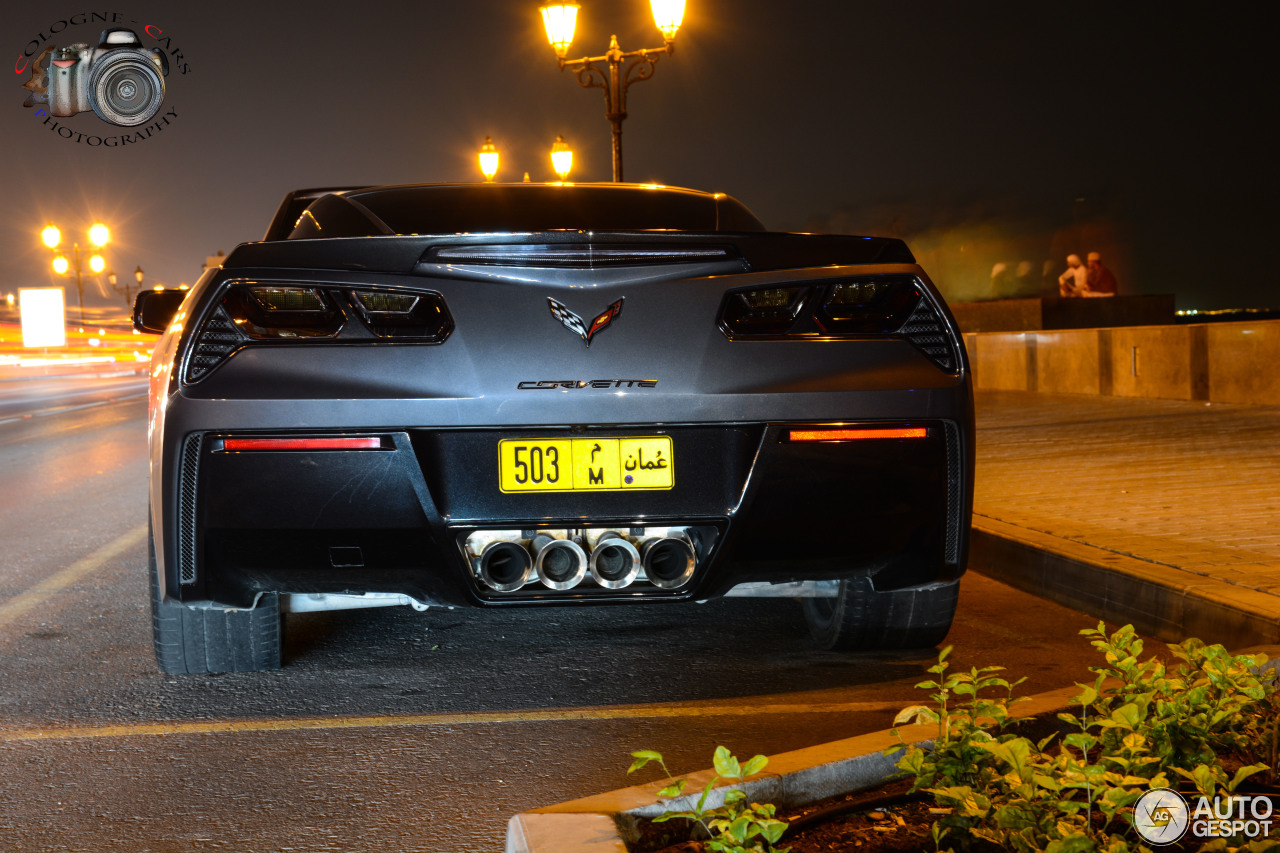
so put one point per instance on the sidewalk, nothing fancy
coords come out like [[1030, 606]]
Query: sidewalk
[[1162, 513]]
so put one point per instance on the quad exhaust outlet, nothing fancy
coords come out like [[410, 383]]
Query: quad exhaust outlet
[[507, 561]]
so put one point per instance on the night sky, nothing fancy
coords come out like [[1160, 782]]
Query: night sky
[[984, 133]]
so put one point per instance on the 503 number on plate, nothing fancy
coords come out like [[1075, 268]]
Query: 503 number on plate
[[585, 464]]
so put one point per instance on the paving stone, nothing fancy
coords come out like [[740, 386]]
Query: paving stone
[[1189, 489]]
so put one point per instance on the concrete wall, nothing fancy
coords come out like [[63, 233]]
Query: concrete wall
[[1235, 362]]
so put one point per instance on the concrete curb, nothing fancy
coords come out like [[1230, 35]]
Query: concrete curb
[[607, 823], [1157, 599]]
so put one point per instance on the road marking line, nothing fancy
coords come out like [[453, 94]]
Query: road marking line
[[416, 720], [38, 594], [59, 410]]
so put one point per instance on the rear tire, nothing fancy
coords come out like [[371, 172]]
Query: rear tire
[[191, 640], [862, 618]]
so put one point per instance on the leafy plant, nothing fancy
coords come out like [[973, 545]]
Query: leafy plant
[[734, 827], [965, 725], [1139, 722], [1187, 714]]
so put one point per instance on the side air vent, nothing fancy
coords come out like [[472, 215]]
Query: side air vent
[[925, 329], [955, 491], [217, 339], [189, 466]]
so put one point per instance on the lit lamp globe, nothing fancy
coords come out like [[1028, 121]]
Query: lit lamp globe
[[137, 274], [60, 265], [668, 15], [99, 235], [560, 21], [488, 159], [97, 264], [561, 158], [51, 236]]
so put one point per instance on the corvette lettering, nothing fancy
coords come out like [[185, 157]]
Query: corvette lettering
[[551, 384], [573, 322]]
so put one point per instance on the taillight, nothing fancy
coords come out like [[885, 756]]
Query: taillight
[[866, 305], [279, 313], [763, 311], [395, 314], [833, 308], [270, 312], [856, 433], [283, 443]]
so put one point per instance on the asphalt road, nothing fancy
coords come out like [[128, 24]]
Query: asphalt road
[[387, 729]]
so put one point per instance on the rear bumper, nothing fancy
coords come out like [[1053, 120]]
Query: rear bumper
[[395, 519]]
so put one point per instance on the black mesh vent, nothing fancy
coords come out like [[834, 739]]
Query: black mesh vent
[[217, 339], [925, 329], [187, 508], [955, 504]]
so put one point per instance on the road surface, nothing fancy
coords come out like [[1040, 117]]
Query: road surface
[[386, 729]]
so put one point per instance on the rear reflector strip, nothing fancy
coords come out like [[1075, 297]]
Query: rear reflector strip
[[362, 443], [851, 434]]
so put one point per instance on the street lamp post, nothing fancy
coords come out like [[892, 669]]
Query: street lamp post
[[560, 21], [99, 236], [127, 289]]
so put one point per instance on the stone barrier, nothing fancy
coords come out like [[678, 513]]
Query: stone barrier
[[1234, 362]]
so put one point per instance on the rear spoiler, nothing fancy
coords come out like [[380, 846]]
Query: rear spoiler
[[291, 208], [761, 251]]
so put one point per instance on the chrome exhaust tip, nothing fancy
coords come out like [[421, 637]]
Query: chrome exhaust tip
[[560, 563], [669, 561], [615, 562], [505, 566]]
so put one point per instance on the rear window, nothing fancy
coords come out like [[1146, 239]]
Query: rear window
[[479, 208]]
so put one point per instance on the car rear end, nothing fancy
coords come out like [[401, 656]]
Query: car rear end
[[559, 417]]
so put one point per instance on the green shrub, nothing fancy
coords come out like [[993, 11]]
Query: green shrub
[[736, 826], [1139, 722]]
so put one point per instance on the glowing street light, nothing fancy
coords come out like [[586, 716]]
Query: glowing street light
[[127, 289], [668, 15], [488, 159], [560, 21], [99, 235], [561, 158]]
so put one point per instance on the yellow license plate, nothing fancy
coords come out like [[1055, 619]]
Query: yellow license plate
[[585, 464]]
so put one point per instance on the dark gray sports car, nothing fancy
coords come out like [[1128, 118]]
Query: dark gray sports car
[[541, 394]]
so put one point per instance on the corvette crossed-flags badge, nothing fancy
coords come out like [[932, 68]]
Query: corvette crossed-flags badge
[[574, 323]]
